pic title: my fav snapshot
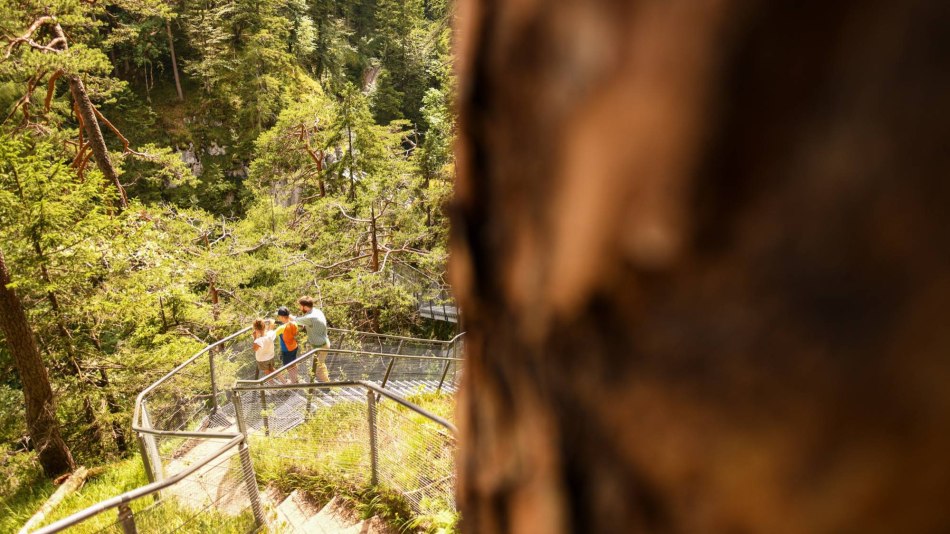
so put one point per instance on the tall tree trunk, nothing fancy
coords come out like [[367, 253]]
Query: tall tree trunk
[[112, 403], [94, 136], [64, 334], [215, 297], [425, 189], [41, 419], [95, 429], [373, 239], [118, 433], [349, 137], [171, 48], [702, 252], [91, 124]]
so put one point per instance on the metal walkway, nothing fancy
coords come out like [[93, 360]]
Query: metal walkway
[[288, 409], [433, 297], [194, 438]]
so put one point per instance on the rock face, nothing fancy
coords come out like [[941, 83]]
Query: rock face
[[702, 249], [190, 157], [239, 172], [215, 150]]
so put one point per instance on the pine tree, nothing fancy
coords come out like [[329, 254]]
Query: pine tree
[[41, 419]]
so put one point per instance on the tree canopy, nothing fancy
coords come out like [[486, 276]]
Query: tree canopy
[[171, 170]]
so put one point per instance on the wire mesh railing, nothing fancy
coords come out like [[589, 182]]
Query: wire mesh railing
[[216, 492], [403, 373], [356, 434], [433, 296], [191, 397], [416, 458], [182, 419]]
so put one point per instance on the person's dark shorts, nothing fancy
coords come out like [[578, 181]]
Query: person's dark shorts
[[287, 357]]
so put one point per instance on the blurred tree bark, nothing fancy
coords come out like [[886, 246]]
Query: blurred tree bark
[[703, 249]]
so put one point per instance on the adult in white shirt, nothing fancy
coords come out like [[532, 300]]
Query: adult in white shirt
[[264, 347]]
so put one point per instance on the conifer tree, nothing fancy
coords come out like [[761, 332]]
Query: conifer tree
[[41, 419]]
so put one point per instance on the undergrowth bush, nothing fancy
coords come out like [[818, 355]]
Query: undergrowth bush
[[113, 479], [328, 456]]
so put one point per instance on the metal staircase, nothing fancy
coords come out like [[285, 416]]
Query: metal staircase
[[197, 438]]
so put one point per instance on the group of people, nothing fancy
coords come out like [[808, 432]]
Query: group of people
[[268, 334]]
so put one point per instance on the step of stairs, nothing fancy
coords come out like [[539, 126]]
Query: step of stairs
[[296, 515], [292, 513]]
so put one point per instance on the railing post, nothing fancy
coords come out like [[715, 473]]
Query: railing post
[[214, 383], [313, 366], [235, 398], [250, 480], [389, 369], [444, 373], [153, 462], [309, 402], [373, 452], [143, 451], [264, 412], [247, 466], [127, 519]]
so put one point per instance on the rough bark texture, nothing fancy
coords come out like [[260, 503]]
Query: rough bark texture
[[41, 420], [73, 367], [100, 152], [702, 249]]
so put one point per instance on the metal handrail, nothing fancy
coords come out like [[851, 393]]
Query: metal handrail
[[235, 439], [363, 383], [307, 355], [390, 336], [138, 493], [136, 412]]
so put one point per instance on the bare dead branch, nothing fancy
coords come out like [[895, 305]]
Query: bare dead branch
[[354, 219], [125, 142], [50, 89], [80, 154], [82, 166], [27, 37]]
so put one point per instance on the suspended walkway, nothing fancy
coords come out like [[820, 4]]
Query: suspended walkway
[[433, 297], [210, 425]]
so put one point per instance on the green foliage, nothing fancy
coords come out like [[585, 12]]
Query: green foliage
[[305, 179], [116, 478], [337, 464]]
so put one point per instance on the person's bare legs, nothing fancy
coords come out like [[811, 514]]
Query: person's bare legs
[[292, 371], [320, 367]]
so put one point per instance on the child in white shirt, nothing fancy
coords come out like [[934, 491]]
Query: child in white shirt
[[264, 346]]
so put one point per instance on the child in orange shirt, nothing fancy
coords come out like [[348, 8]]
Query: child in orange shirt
[[287, 334]]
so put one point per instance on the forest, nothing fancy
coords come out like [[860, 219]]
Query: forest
[[172, 169]]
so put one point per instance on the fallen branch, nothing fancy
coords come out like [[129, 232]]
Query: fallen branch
[[71, 484], [125, 142]]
